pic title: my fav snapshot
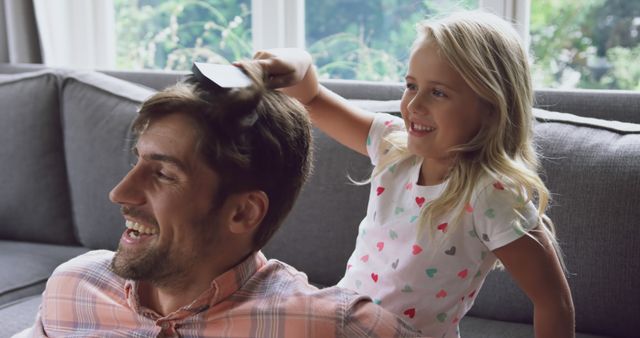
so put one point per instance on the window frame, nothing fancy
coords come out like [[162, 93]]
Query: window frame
[[280, 23]]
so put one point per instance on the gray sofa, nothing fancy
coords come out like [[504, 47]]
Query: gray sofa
[[65, 140]]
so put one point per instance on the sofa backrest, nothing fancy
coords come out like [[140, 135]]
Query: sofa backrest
[[34, 199], [97, 112], [591, 166]]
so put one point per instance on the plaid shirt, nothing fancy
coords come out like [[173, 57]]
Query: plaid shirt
[[257, 298]]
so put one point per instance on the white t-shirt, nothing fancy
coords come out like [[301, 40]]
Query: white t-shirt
[[429, 282]]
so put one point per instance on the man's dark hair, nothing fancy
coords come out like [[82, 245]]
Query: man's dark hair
[[253, 137]]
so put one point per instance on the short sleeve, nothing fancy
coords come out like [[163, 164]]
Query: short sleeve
[[366, 319], [383, 125], [500, 216]]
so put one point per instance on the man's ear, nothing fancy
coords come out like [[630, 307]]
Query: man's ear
[[248, 210]]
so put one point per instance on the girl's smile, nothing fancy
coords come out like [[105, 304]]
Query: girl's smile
[[418, 129]]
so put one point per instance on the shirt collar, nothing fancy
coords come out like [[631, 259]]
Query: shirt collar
[[221, 288]]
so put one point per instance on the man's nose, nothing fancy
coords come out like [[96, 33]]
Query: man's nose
[[129, 191]]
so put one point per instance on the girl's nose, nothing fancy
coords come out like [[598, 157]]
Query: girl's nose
[[417, 105]]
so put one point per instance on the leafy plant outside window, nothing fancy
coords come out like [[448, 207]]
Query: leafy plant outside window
[[574, 43]]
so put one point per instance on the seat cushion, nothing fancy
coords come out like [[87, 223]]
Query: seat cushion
[[34, 180], [26, 267], [18, 315], [97, 112], [473, 327]]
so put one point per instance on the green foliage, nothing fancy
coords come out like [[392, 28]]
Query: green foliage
[[625, 70], [344, 55], [171, 34], [368, 40], [585, 43], [574, 43]]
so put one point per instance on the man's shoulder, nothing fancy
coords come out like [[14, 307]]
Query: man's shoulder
[[333, 309], [287, 283], [279, 274], [90, 263]]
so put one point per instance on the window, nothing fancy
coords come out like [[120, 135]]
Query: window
[[367, 40], [172, 34], [573, 43], [586, 43]]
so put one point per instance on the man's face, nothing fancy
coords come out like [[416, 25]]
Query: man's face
[[167, 200]]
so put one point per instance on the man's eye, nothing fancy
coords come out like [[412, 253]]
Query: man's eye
[[165, 177]]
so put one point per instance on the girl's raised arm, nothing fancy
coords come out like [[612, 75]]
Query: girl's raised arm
[[292, 70]]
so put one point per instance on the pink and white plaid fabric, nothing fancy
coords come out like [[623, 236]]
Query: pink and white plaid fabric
[[257, 298]]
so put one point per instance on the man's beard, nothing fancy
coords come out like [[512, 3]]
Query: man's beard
[[159, 265]]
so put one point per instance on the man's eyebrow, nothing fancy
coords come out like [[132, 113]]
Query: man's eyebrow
[[162, 158]]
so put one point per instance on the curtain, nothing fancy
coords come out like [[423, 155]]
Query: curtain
[[77, 33], [19, 41]]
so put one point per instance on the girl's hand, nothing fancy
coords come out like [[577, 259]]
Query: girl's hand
[[285, 66], [291, 70]]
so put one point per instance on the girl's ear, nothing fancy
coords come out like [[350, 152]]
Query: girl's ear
[[247, 211]]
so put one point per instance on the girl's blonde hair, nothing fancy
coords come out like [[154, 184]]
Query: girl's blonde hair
[[487, 52]]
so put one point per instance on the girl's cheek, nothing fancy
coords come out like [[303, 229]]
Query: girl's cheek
[[404, 104]]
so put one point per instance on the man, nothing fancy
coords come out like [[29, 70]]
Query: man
[[217, 171]]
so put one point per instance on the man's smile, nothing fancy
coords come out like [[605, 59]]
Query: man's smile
[[137, 232]]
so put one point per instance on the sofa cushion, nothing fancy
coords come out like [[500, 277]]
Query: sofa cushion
[[473, 327], [97, 111], [592, 167], [34, 199], [16, 316], [26, 267]]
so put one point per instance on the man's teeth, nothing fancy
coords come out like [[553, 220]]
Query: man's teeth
[[141, 228], [420, 127]]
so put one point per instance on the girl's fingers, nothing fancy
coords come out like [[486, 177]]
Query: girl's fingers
[[262, 54], [280, 81]]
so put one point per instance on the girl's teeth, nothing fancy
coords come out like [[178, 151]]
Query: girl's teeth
[[419, 127]]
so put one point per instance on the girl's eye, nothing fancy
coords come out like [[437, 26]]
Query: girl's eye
[[411, 86], [438, 93]]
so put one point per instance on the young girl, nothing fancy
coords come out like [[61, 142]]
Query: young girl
[[455, 179]]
